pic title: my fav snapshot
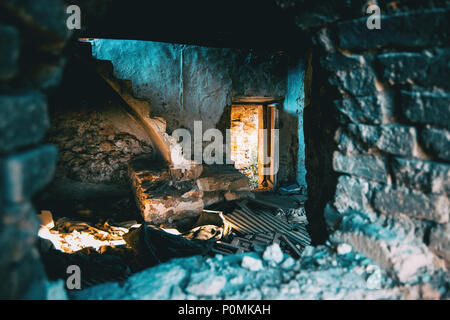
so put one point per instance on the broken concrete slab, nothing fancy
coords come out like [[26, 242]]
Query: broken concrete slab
[[222, 177]]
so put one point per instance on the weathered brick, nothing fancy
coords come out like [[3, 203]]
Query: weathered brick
[[374, 109], [437, 141], [394, 139], [440, 240], [406, 226], [339, 61], [45, 17], [406, 29], [362, 165], [9, 51], [21, 270], [347, 143], [354, 194], [23, 120], [357, 81], [426, 176], [24, 174], [404, 258], [423, 69], [413, 203], [426, 107]]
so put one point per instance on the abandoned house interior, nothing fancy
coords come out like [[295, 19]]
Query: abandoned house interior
[[277, 149]]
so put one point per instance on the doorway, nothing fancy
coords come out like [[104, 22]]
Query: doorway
[[254, 143]]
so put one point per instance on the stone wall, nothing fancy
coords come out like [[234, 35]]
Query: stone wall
[[31, 41], [388, 90], [95, 146]]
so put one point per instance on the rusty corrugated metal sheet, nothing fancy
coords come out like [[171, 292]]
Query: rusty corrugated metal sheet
[[262, 222]]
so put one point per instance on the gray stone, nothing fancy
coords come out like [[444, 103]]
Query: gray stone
[[354, 194], [393, 139], [21, 272], [343, 248], [375, 109], [157, 283], [416, 204], [426, 107], [362, 165], [437, 141], [339, 61], [426, 69], [49, 24], [205, 284], [26, 173], [23, 120], [405, 29], [273, 254], [251, 263], [56, 290], [406, 226], [440, 240], [359, 81], [347, 143], [404, 259], [426, 176], [9, 52], [288, 263], [375, 279]]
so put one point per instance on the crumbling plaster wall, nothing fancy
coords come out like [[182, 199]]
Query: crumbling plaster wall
[[190, 83]]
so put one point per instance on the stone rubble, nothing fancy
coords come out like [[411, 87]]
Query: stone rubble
[[321, 273]]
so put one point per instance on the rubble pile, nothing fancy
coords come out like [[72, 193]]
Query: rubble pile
[[320, 273], [71, 236], [168, 196], [248, 225]]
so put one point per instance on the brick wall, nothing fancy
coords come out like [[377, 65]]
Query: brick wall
[[384, 163], [31, 43]]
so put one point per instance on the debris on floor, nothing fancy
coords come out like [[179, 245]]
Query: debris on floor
[[71, 236], [110, 251], [256, 224], [319, 274]]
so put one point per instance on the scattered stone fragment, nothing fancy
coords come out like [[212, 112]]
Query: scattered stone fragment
[[273, 254], [344, 248], [288, 263], [206, 284], [251, 264]]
